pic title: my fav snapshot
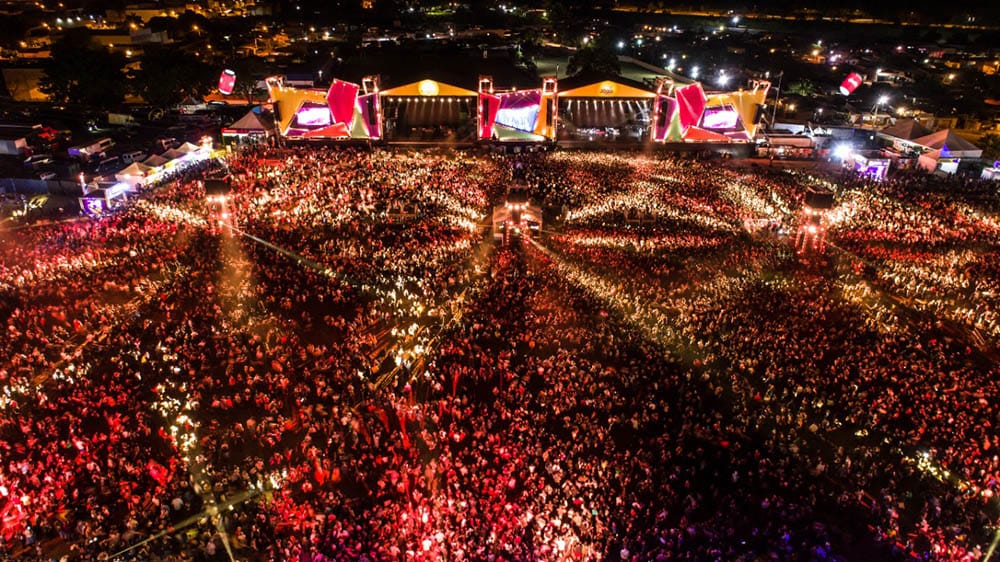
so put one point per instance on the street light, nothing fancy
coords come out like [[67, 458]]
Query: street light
[[882, 100]]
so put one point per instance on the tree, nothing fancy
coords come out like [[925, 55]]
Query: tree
[[12, 29], [166, 76], [248, 71], [597, 59], [570, 18], [80, 72], [804, 88], [990, 143]]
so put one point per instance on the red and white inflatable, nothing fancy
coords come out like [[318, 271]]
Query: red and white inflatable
[[227, 80], [850, 83]]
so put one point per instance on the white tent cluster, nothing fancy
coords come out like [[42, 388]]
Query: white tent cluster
[[99, 197], [937, 151], [156, 166], [944, 150]]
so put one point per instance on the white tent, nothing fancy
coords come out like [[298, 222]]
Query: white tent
[[187, 147], [172, 154], [949, 144], [254, 123], [154, 161], [905, 129], [135, 174], [944, 149]]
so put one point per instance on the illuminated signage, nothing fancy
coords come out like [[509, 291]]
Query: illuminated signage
[[93, 206], [428, 88]]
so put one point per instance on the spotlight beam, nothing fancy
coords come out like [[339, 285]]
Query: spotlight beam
[[238, 499]]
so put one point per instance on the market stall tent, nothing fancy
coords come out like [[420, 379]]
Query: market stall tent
[[944, 149], [950, 144], [253, 125], [134, 174]]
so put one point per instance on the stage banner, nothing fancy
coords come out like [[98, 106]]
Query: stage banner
[[488, 107], [667, 108], [691, 101], [341, 99], [369, 113]]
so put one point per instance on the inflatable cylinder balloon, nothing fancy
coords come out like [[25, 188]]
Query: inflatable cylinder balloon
[[850, 83], [227, 80]]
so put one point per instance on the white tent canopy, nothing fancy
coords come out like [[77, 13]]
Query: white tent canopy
[[949, 145], [172, 154], [134, 174], [154, 161], [906, 129]]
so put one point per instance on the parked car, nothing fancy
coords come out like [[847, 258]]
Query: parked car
[[38, 160], [133, 156]]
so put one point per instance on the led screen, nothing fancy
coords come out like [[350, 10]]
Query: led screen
[[520, 118], [724, 117], [93, 206], [519, 110], [310, 116]]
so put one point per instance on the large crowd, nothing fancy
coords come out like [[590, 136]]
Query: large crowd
[[338, 362]]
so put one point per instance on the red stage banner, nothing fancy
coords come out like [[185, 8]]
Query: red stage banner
[[341, 98], [488, 107], [691, 101]]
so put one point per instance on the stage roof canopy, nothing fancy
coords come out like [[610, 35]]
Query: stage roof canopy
[[427, 88], [606, 89], [587, 85]]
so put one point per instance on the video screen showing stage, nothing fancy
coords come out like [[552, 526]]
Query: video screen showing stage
[[512, 116], [312, 116], [519, 110]]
